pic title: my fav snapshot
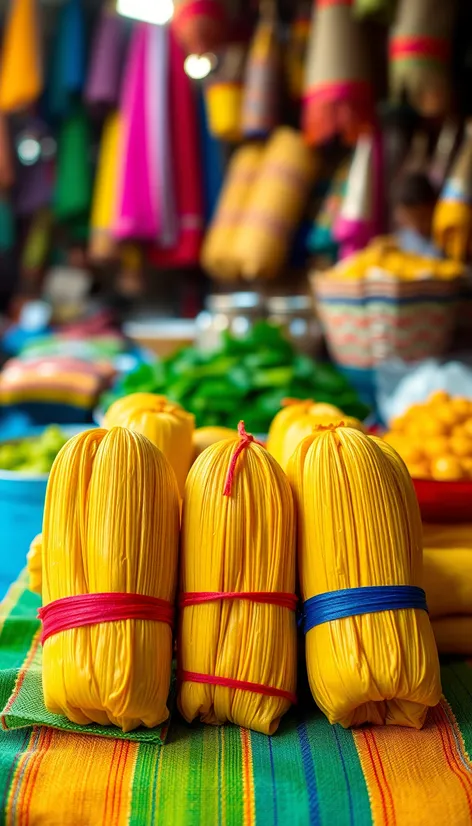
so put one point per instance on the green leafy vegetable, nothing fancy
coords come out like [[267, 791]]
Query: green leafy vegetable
[[33, 455]]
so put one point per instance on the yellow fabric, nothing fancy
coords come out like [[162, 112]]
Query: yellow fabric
[[359, 525], [34, 560], [111, 523], [224, 102], [166, 424], [101, 245], [217, 252], [21, 79], [275, 205], [241, 542], [206, 436], [452, 228]]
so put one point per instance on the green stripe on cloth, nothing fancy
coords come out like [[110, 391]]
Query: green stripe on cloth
[[456, 679], [21, 692]]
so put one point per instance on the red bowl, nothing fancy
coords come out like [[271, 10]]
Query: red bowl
[[444, 501]]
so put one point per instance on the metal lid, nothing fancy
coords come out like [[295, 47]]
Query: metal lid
[[289, 304], [229, 302]]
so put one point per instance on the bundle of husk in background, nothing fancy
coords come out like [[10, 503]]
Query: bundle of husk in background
[[217, 256], [206, 436], [420, 50], [165, 423], [111, 524], [200, 25], [452, 221], [359, 525], [238, 535], [275, 205], [35, 562], [223, 92], [338, 98], [260, 103], [298, 419]]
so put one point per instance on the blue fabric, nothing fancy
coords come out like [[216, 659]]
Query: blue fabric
[[213, 162], [352, 602]]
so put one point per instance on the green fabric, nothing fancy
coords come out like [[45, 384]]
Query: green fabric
[[24, 706], [73, 190]]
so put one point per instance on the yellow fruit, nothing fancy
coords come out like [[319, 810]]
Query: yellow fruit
[[446, 468], [446, 414], [439, 397], [398, 424], [461, 446], [429, 426], [418, 470], [466, 464], [461, 407], [467, 425], [437, 446]]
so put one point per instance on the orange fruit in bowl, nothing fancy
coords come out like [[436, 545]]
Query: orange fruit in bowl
[[446, 468], [466, 463], [438, 397], [446, 414], [418, 470], [435, 446], [425, 426], [467, 425], [461, 407], [461, 446]]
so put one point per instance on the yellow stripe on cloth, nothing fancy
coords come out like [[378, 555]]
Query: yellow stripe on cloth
[[60, 780], [411, 775]]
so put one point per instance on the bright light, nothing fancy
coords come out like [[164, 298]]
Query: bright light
[[29, 150], [148, 11], [199, 66]]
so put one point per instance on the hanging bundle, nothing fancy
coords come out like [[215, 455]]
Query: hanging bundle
[[370, 649], [237, 651], [224, 94], [420, 51], [262, 78], [68, 67], [295, 53], [444, 152], [102, 86], [110, 543], [299, 419], [217, 256], [452, 220], [338, 97], [101, 243], [275, 205], [21, 77], [166, 424], [35, 560], [355, 225], [200, 25]]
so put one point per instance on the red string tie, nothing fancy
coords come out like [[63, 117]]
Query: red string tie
[[241, 685], [246, 440], [92, 609]]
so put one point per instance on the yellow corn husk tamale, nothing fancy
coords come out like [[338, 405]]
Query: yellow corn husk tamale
[[299, 419], [35, 559], [359, 525], [166, 424], [111, 524], [242, 542], [204, 437]]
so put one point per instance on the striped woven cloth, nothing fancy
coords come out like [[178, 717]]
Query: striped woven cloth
[[308, 773]]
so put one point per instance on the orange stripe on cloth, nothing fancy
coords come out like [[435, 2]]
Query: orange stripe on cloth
[[248, 779], [408, 772], [68, 779]]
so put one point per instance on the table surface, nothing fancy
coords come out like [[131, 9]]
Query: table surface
[[307, 773]]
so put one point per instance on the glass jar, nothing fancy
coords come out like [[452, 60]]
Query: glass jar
[[295, 313], [230, 312]]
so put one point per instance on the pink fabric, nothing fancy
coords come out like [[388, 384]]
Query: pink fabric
[[352, 235]]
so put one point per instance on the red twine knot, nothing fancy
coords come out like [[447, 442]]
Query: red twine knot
[[246, 440]]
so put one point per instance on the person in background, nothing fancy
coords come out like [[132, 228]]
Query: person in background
[[414, 199]]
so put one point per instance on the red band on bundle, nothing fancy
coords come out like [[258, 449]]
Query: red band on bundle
[[246, 440], [241, 685], [93, 609], [265, 597], [323, 3], [433, 47]]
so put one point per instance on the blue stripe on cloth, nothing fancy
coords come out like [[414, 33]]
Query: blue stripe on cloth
[[353, 602], [309, 770]]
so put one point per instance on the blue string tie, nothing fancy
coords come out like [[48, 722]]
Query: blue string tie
[[353, 602]]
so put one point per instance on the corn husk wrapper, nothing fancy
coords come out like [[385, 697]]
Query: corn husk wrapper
[[338, 98], [204, 437], [229, 543], [113, 502], [275, 205], [224, 94], [21, 75], [167, 425], [217, 256], [359, 525], [420, 47], [291, 411], [102, 245], [200, 25], [261, 81], [452, 221], [35, 565]]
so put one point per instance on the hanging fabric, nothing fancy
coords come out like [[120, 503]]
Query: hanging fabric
[[7, 225], [68, 66], [355, 224], [261, 93], [420, 52], [37, 242], [102, 88], [338, 97], [224, 94], [199, 25], [452, 221], [101, 242], [34, 180], [7, 167], [186, 167], [213, 166], [21, 77], [73, 187], [321, 239]]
